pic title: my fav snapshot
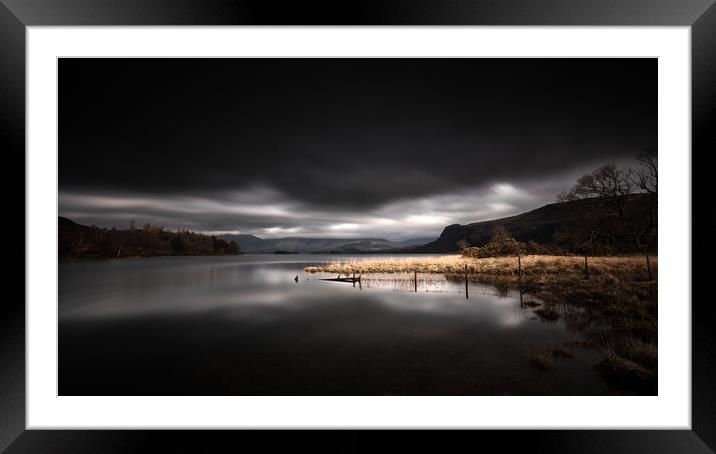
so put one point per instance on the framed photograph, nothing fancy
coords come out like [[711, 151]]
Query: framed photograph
[[378, 216]]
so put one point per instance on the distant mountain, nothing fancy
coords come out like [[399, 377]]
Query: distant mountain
[[538, 225], [254, 245], [414, 241]]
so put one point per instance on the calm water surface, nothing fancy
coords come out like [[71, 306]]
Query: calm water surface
[[242, 325]]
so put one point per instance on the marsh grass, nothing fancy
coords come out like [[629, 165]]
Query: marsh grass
[[618, 292], [559, 352], [545, 359], [542, 360], [618, 286], [585, 345], [626, 373], [548, 312]]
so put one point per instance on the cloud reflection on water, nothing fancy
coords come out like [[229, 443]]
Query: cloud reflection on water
[[247, 285]]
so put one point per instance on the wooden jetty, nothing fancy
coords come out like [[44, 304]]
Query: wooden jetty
[[343, 279], [352, 280]]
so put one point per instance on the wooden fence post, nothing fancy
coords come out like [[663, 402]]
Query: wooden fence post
[[586, 267], [519, 268]]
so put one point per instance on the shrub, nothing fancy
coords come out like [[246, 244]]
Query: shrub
[[501, 244], [177, 245], [475, 252]]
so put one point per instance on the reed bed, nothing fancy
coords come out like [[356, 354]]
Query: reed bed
[[572, 266]]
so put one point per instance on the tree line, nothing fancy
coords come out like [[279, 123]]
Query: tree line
[[80, 241]]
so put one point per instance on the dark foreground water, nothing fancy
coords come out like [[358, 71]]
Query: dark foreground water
[[243, 326]]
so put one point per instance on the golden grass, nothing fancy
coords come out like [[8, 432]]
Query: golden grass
[[455, 264], [545, 359]]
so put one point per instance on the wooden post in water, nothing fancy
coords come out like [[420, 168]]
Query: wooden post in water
[[354, 278], [416, 281], [519, 268], [466, 291], [586, 267]]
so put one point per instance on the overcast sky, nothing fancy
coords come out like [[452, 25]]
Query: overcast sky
[[390, 148]]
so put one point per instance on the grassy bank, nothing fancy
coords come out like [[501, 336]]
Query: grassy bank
[[619, 301], [545, 265]]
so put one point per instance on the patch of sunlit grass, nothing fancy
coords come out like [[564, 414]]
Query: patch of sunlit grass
[[610, 269]]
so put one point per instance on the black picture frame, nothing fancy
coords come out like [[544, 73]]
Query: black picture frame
[[16, 15]]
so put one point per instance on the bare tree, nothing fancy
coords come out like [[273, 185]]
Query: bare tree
[[608, 184], [610, 187], [646, 178]]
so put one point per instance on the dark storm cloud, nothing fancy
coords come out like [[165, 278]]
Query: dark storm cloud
[[338, 138]]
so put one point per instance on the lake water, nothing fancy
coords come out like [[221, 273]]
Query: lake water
[[242, 325]]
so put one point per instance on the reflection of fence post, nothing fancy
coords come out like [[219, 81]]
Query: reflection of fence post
[[416, 281], [466, 291], [354, 278]]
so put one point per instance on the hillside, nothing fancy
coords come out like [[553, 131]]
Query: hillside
[[81, 241], [538, 225], [254, 245]]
